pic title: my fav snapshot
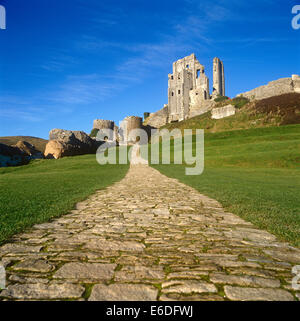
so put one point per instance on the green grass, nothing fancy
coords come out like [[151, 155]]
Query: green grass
[[45, 189], [255, 174]]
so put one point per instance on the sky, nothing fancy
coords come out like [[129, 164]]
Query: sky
[[64, 63]]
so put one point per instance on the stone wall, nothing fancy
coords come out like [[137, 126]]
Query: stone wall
[[222, 112], [158, 119], [274, 88], [198, 108], [296, 83], [104, 124]]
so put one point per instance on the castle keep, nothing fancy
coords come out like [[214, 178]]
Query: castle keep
[[189, 86]]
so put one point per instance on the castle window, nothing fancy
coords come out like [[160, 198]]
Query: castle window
[[198, 73], [187, 66], [178, 92], [172, 93], [172, 77], [178, 76]]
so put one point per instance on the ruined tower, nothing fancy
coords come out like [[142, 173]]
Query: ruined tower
[[103, 124], [188, 75], [127, 125], [218, 78]]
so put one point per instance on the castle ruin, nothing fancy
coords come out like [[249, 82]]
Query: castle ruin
[[188, 91], [189, 86]]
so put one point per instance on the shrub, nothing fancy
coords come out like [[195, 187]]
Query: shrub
[[146, 115], [239, 102], [221, 98], [94, 132]]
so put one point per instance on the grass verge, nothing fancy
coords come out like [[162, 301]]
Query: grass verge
[[255, 174], [49, 188]]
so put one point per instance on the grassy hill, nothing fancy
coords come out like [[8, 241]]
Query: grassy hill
[[274, 111], [254, 173], [39, 143]]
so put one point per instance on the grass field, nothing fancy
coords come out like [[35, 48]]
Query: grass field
[[254, 173], [46, 189]]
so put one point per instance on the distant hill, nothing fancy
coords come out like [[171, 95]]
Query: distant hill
[[274, 111], [39, 143]]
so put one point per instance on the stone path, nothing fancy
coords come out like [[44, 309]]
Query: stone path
[[148, 237]]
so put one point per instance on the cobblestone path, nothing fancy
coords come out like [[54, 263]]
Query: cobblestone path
[[148, 237]]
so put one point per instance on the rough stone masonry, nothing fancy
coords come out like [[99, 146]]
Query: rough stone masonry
[[163, 242]]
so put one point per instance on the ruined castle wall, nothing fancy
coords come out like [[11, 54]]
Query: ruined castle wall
[[127, 125], [296, 83], [104, 124], [222, 112], [185, 94], [273, 88], [158, 119], [201, 107]]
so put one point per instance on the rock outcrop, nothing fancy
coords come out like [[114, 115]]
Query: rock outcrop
[[20, 154], [70, 143], [29, 150]]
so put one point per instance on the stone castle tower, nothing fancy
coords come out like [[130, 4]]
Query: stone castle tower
[[189, 85], [219, 78]]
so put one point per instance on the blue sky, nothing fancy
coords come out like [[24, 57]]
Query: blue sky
[[64, 63]]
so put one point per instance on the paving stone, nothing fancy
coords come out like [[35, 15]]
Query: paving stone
[[257, 294], [115, 246], [13, 248], [195, 297], [186, 287], [43, 291], [34, 266], [187, 275], [86, 271], [138, 273], [123, 292], [287, 256], [244, 280], [24, 279]]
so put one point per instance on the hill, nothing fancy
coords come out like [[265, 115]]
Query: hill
[[39, 143], [274, 111]]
